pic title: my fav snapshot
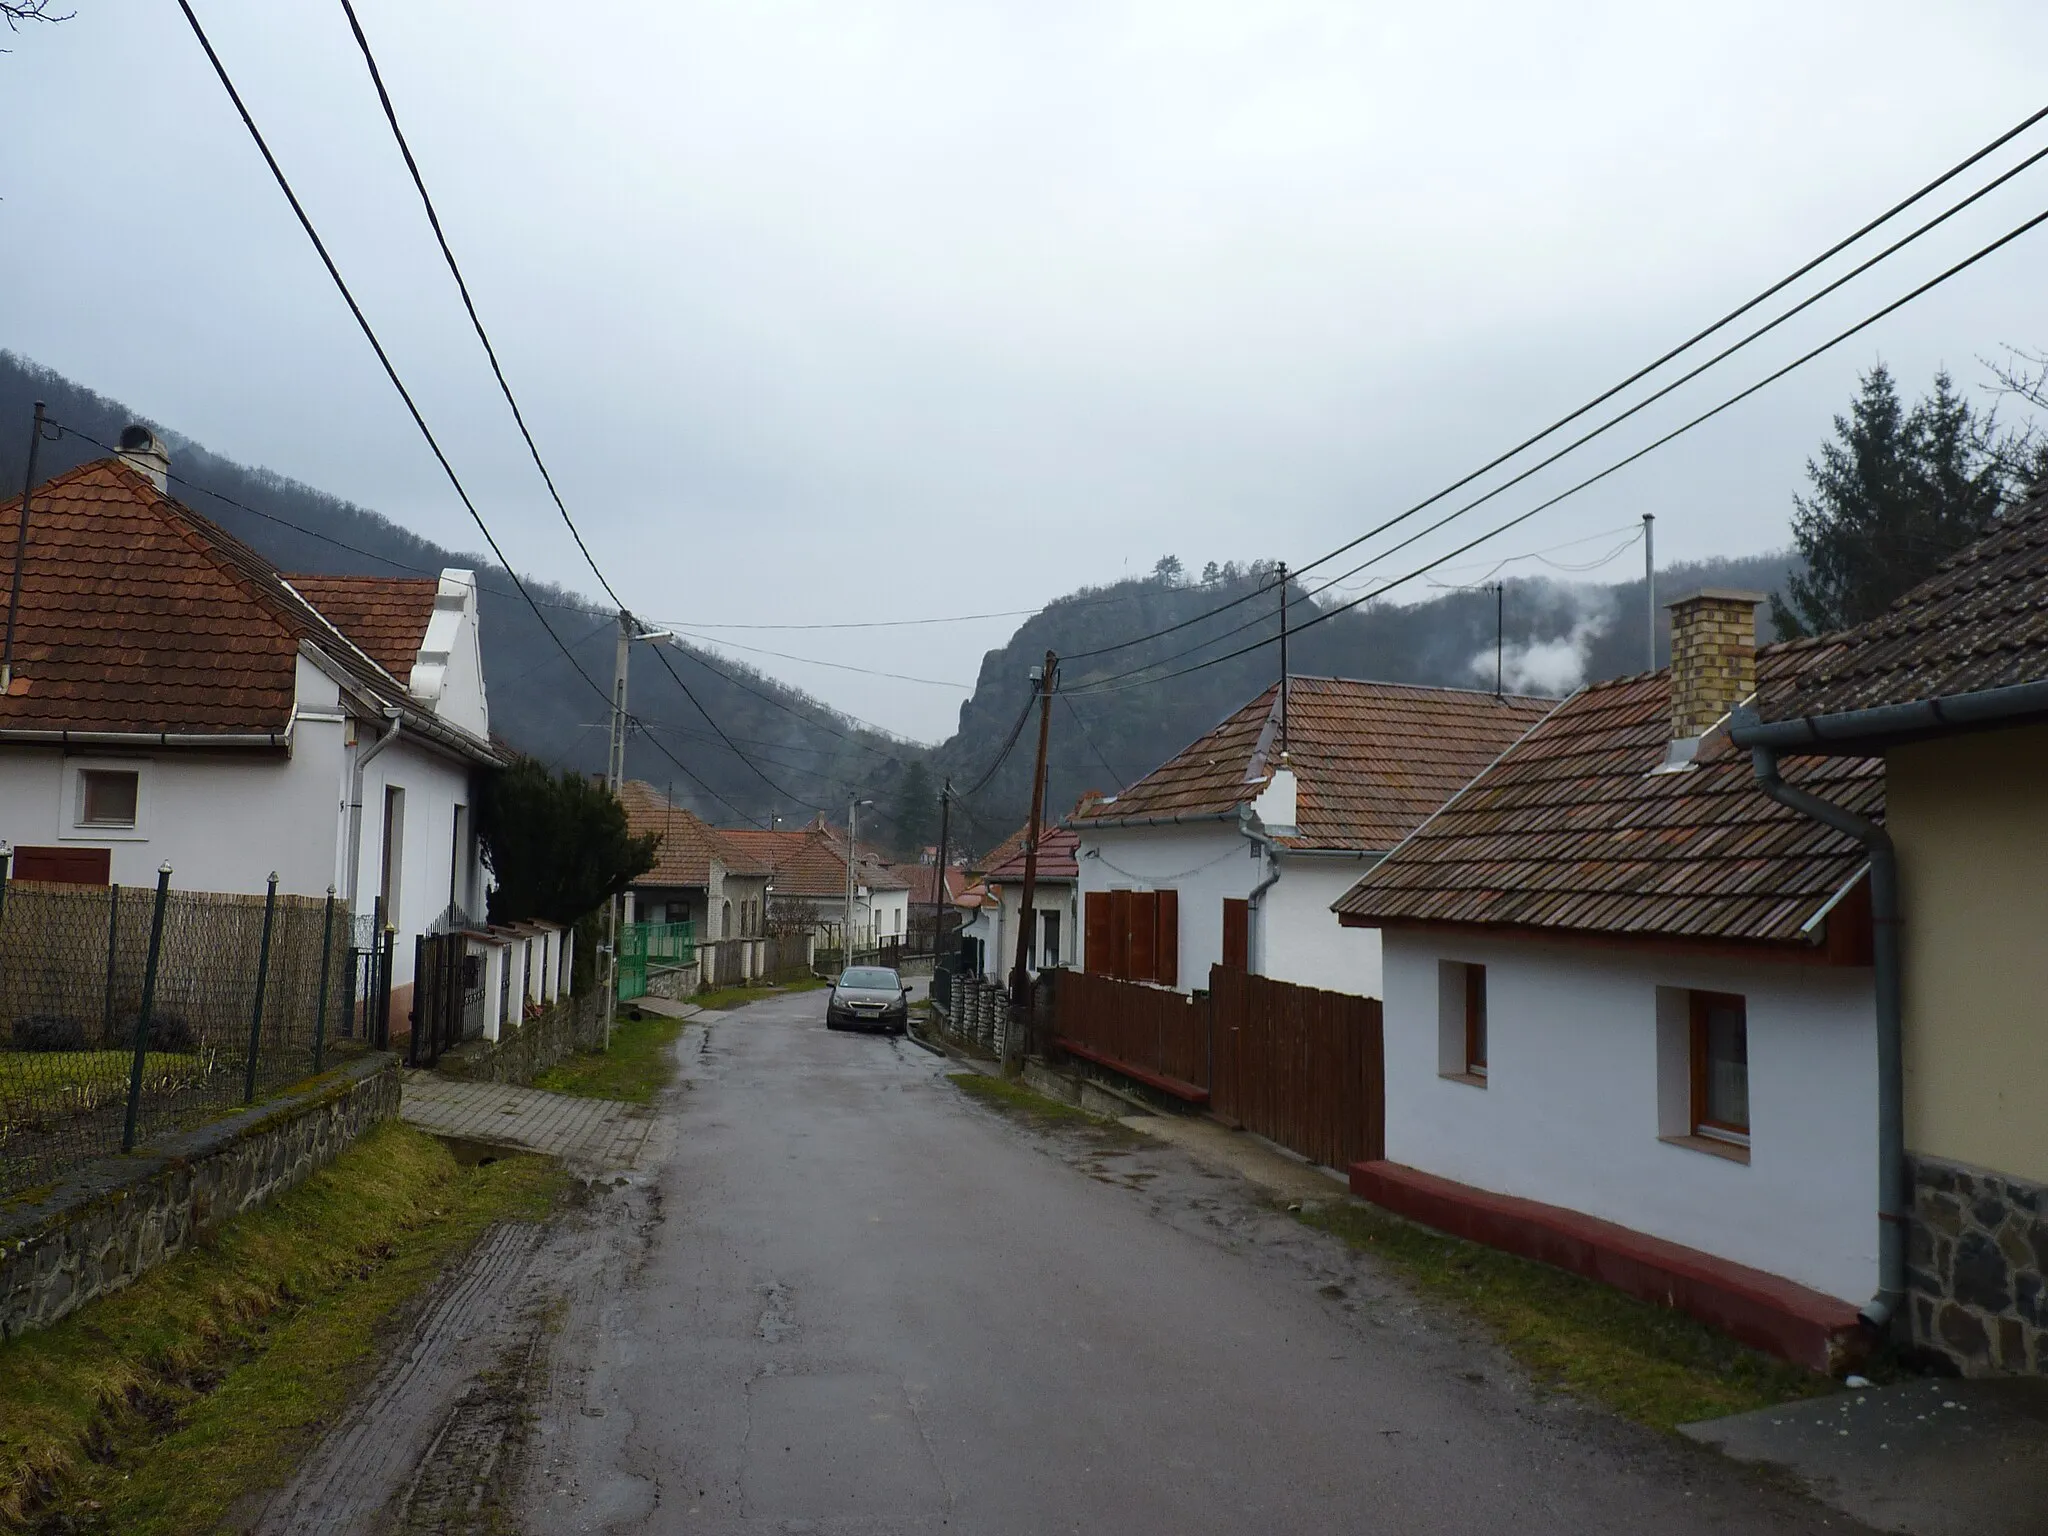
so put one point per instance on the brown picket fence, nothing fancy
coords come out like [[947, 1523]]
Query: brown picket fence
[[1299, 1066]]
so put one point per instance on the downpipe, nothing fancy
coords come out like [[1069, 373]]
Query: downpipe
[[1892, 1196], [1255, 899], [355, 806]]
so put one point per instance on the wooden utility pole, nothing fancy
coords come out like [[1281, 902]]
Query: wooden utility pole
[[614, 778], [1020, 975], [1283, 659], [940, 898]]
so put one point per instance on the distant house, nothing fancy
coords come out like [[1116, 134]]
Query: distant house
[[701, 876], [1950, 685], [807, 874], [1629, 1002], [174, 699], [1232, 852], [1055, 903], [929, 888]]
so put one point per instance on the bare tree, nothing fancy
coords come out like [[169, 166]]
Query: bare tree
[[2022, 452], [15, 12]]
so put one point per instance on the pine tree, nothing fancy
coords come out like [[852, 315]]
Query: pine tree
[[1894, 495]]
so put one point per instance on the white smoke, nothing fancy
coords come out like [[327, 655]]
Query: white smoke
[[1558, 665]]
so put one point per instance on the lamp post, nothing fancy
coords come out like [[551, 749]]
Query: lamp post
[[615, 778]]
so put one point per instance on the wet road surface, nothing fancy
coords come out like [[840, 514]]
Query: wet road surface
[[851, 1299]]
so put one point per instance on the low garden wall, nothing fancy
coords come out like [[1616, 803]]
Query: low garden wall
[[1977, 1268], [571, 1025], [119, 1217]]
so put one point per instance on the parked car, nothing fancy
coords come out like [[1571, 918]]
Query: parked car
[[868, 997]]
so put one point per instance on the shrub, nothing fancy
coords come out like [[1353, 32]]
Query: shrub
[[49, 1032]]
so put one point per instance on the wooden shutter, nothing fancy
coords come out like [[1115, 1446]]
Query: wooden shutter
[[1166, 969], [1119, 935], [1144, 936], [1098, 951], [64, 866], [1237, 933]]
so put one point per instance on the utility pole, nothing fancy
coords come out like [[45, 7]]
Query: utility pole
[[1650, 586], [940, 899], [1500, 624], [1020, 977], [1283, 659], [28, 485], [615, 778], [853, 805]]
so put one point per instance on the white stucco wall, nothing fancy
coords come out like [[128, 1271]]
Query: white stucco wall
[[434, 785], [1303, 941], [1049, 896], [1569, 1112]]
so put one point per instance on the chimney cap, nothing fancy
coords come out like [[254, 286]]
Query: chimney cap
[[1719, 595], [137, 436]]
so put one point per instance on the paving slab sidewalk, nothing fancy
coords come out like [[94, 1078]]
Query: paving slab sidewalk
[[1934, 1458], [593, 1135]]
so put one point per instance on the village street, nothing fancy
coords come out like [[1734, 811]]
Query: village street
[[859, 1300]]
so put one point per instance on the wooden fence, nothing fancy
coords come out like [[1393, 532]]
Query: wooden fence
[[1297, 1065]]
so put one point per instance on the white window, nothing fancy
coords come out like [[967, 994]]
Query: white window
[[1461, 1022], [108, 797]]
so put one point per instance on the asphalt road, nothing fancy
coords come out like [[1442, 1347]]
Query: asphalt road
[[855, 1300]]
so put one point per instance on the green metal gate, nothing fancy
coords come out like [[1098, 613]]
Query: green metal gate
[[646, 948]]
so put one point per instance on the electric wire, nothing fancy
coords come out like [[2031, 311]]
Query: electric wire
[[837, 666], [1088, 736]]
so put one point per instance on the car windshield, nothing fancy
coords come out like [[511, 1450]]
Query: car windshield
[[870, 978]]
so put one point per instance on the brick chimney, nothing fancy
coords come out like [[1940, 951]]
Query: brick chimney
[[143, 452], [1713, 657]]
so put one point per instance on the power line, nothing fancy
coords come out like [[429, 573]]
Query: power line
[[1116, 684], [837, 666], [1777, 287], [1088, 736], [1009, 745]]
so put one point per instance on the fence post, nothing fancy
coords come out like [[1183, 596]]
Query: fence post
[[390, 941], [374, 988], [262, 980], [419, 955], [326, 959], [113, 940], [156, 940]]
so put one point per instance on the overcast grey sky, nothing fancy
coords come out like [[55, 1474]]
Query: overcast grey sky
[[829, 312]]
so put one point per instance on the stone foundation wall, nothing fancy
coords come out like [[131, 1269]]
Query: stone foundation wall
[[119, 1218], [1976, 1257], [572, 1025], [674, 982]]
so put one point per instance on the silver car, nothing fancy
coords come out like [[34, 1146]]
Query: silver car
[[868, 997]]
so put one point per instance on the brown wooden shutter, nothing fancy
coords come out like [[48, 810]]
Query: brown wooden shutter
[[1166, 969], [1144, 936], [1119, 935], [1237, 933], [64, 866], [1100, 952]]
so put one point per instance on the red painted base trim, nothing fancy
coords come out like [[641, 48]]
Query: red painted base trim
[[1780, 1316], [1168, 1085]]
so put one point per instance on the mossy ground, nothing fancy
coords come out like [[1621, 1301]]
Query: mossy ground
[[639, 1064], [156, 1409], [739, 997]]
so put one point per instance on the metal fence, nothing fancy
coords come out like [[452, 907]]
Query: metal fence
[[646, 948], [126, 1013]]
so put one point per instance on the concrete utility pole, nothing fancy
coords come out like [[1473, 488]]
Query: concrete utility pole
[[1500, 629], [28, 487], [853, 806], [1020, 977], [939, 894], [615, 778], [1283, 658], [1650, 587]]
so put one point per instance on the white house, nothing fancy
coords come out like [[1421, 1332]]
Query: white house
[[174, 700], [1055, 903], [1232, 852], [807, 871], [1629, 1010], [703, 877]]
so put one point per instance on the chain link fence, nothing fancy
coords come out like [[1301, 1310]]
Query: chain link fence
[[126, 1013]]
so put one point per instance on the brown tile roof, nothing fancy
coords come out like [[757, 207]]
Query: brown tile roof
[[923, 881], [385, 615], [1058, 850], [810, 861], [1370, 759], [1980, 622], [1571, 830], [1001, 852], [140, 616], [688, 843]]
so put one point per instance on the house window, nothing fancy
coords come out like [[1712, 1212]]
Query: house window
[[1049, 928], [1720, 1067], [1461, 1046], [108, 797], [394, 851]]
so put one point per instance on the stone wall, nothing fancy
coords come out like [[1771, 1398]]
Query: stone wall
[[1976, 1260], [571, 1025], [115, 1220]]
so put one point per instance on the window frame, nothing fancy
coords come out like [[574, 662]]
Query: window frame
[[1475, 1021], [1699, 1006], [71, 823]]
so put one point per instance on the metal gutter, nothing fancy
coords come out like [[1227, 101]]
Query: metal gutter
[[355, 804], [1255, 898], [1178, 819], [1892, 1194], [142, 739], [1859, 732]]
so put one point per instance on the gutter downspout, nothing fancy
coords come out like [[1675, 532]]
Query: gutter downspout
[[355, 804], [1891, 1125], [1255, 899]]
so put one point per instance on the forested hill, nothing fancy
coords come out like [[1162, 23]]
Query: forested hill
[[538, 704], [1557, 635]]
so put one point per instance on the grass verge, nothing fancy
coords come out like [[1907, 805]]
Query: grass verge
[[154, 1410], [739, 997], [1037, 1111], [636, 1068], [1647, 1363]]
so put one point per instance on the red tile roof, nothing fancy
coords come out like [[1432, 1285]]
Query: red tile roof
[[385, 615], [809, 861], [688, 843], [1370, 760], [138, 616], [1980, 622], [923, 881], [1058, 850], [1572, 830]]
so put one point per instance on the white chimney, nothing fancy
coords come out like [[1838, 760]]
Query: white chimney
[[143, 451]]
